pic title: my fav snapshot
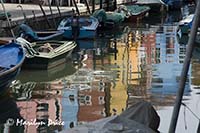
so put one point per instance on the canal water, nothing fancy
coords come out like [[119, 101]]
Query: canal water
[[135, 62]]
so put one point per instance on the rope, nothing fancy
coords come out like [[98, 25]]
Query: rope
[[28, 47], [190, 111]]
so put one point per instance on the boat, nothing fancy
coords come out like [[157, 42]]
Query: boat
[[134, 12], [185, 25], [27, 33], [184, 39], [173, 4], [3, 15], [12, 56], [84, 28], [46, 54], [140, 117], [109, 19]]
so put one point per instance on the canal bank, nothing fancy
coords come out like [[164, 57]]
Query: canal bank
[[38, 16]]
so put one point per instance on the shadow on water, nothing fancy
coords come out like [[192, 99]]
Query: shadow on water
[[9, 114], [57, 72]]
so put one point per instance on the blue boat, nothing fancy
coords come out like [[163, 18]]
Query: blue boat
[[84, 28], [185, 25], [27, 33], [12, 56]]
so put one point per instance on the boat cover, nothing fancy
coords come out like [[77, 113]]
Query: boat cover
[[11, 55], [104, 16], [139, 118]]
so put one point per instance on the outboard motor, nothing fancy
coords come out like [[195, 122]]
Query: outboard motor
[[75, 27]]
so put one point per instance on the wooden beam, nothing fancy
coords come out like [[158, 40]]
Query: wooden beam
[[77, 10]]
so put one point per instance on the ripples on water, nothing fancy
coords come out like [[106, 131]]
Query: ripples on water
[[109, 75]]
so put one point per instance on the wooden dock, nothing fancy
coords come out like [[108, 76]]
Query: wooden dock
[[17, 15]]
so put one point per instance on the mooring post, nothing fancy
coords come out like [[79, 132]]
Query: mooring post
[[186, 65], [58, 10], [77, 10], [25, 19], [93, 5], [54, 21], [101, 4], [44, 14], [88, 7], [35, 18], [107, 5], [9, 24], [115, 4]]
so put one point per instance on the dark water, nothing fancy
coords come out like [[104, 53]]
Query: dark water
[[141, 61]]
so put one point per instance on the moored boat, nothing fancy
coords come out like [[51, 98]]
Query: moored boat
[[3, 15], [136, 12], [79, 27], [185, 25], [109, 19], [32, 36], [12, 56], [46, 54]]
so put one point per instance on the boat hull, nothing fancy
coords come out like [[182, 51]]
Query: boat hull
[[46, 63], [85, 27], [12, 56], [46, 54], [136, 18], [83, 34]]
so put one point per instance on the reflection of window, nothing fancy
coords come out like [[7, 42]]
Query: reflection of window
[[170, 51], [158, 55], [71, 98], [103, 113], [101, 100], [71, 125], [88, 100], [157, 80]]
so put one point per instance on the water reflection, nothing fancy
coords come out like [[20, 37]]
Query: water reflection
[[57, 72], [140, 64], [9, 114], [170, 57]]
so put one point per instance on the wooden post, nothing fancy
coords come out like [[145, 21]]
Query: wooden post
[[25, 19], [77, 10], [115, 4], [107, 5], [93, 5], [186, 65], [58, 10], [9, 24], [101, 4], [88, 7], [35, 18], [44, 14], [54, 21]]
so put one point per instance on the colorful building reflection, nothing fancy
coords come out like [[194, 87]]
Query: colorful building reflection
[[169, 61]]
